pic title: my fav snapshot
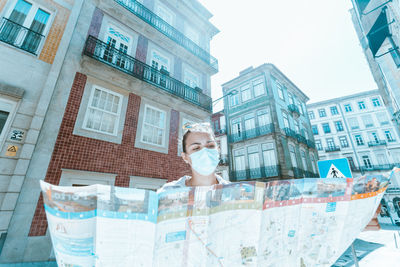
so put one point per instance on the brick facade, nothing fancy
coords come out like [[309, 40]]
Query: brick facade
[[82, 153]]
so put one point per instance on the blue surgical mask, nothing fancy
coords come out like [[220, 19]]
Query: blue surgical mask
[[205, 161]]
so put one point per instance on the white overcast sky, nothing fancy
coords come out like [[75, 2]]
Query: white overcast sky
[[313, 42]]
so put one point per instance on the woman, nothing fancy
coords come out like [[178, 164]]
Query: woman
[[200, 151]]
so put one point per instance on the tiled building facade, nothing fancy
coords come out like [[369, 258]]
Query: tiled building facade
[[219, 126], [269, 133], [357, 127], [136, 71]]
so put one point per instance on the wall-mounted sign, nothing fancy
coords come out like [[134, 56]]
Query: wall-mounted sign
[[17, 135], [11, 150]]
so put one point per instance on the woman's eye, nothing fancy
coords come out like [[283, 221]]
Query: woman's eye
[[196, 148]]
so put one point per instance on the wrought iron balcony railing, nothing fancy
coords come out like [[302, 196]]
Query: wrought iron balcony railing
[[293, 108], [251, 133], [308, 174], [256, 173], [115, 58], [19, 36], [301, 139], [162, 26], [224, 159], [310, 144], [332, 148], [377, 143], [290, 133], [381, 167], [298, 173]]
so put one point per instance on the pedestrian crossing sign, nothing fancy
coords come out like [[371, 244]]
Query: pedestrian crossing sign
[[336, 168]]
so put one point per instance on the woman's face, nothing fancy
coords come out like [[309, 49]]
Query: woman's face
[[196, 141]]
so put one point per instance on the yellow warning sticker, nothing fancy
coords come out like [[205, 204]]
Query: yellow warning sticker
[[11, 151]]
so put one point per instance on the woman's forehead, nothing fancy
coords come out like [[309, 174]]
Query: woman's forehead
[[199, 137]]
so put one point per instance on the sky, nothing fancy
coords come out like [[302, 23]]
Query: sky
[[313, 42]]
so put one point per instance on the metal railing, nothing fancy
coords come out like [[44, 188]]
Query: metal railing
[[310, 144], [256, 173], [19, 36], [290, 133], [332, 148], [377, 143], [298, 173], [111, 56], [380, 167], [293, 108], [162, 26], [251, 133]]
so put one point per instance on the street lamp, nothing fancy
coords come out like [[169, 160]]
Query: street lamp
[[233, 92]]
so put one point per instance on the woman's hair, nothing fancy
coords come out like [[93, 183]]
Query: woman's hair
[[203, 127]]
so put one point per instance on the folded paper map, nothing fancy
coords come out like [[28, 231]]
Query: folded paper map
[[297, 222]]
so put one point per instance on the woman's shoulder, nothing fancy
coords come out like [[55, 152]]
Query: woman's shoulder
[[177, 183]]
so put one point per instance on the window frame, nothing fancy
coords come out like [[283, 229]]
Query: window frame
[[118, 115], [376, 102], [311, 115], [10, 117], [343, 141], [359, 140], [322, 113], [143, 122], [339, 123], [334, 110], [256, 83], [315, 127], [361, 105], [325, 129], [348, 108]]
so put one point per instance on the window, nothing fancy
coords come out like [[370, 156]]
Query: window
[[249, 122], [103, 111], [334, 110], [192, 34], [118, 44], [296, 126], [191, 79], [246, 93], [389, 136], [314, 129], [254, 160], [359, 140], [368, 122], [263, 117], [343, 141], [353, 123], [339, 126], [291, 99], [25, 16], [322, 113], [376, 102], [361, 105], [269, 154], [285, 120], [303, 159], [311, 115], [234, 100], [348, 108], [313, 163], [382, 118], [240, 162], [236, 127], [280, 91], [258, 88], [6, 109], [293, 156], [318, 144], [326, 127], [153, 126], [302, 108], [381, 158], [165, 14], [374, 137], [351, 162], [330, 143], [367, 162]]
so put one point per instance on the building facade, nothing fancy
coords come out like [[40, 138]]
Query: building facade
[[219, 126], [269, 133], [134, 73], [377, 25], [357, 127]]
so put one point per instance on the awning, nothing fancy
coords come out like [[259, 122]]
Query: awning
[[362, 4], [378, 32]]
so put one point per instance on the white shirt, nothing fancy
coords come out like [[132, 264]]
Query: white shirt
[[181, 182]]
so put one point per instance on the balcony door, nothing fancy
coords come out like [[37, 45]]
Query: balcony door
[[117, 48], [254, 162], [25, 26]]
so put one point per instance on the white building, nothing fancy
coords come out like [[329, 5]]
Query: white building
[[357, 127]]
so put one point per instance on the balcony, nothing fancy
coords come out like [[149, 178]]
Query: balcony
[[256, 173], [162, 26], [218, 132], [294, 110], [310, 144], [377, 143], [381, 167], [308, 174], [252, 133], [298, 173], [19, 36], [301, 139], [290, 133], [224, 160], [332, 149], [111, 56]]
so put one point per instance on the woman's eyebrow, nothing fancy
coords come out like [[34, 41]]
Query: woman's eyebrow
[[194, 144]]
